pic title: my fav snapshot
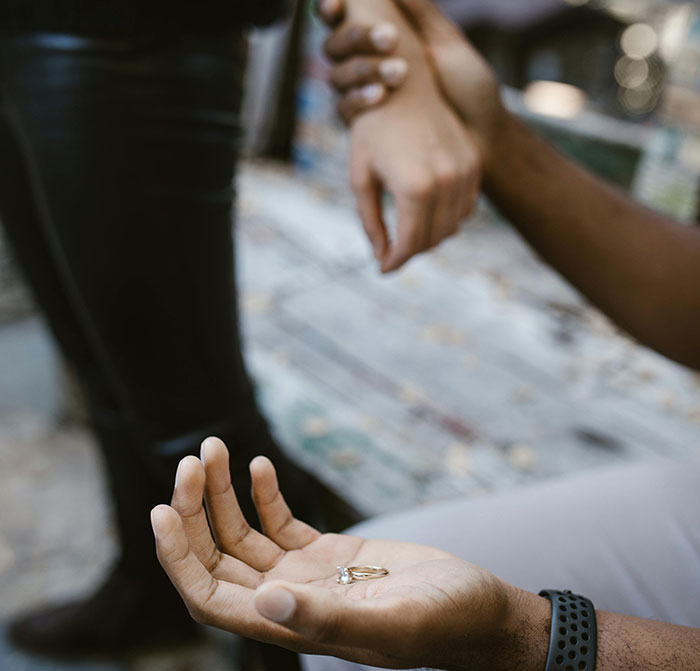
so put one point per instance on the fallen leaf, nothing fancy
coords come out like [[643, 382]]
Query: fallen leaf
[[523, 457], [345, 459], [411, 393], [459, 461], [315, 427]]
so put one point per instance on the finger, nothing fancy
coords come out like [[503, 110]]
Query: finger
[[328, 617], [331, 11], [187, 502], [194, 583], [362, 70], [352, 39], [368, 197], [209, 601], [444, 214], [234, 535], [355, 101], [415, 209], [277, 520]]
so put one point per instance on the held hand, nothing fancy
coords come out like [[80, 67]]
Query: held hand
[[281, 586], [362, 64], [412, 146]]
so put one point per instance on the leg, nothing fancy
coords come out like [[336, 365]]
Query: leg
[[128, 158], [626, 537]]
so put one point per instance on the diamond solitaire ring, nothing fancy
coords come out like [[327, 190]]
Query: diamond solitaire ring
[[349, 574]]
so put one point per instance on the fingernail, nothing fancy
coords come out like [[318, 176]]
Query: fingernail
[[276, 604], [203, 448], [384, 36], [153, 524], [329, 7], [393, 70], [177, 474], [372, 93]]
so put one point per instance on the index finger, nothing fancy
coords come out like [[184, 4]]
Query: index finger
[[353, 39], [209, 601], [193, 582]]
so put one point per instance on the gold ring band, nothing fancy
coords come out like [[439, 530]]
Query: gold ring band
[[348, 574]]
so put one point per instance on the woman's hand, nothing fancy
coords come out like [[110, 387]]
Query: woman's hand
[[366, 70], [412, 146], [281, 586]]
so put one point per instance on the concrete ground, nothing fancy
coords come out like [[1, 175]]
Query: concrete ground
[[473, 370]]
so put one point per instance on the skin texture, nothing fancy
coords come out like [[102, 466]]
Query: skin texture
[[281, 587], [432, 610], [638, 266], [412, 146]]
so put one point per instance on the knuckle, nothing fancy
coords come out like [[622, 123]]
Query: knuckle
[[446, 179], [418, 187], [284, 524], [214, 560], [446, 172]]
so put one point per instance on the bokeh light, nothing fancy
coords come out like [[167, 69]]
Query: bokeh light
[[639, 40], [554, 99]]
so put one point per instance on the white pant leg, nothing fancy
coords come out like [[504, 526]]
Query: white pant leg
[[628, 538]]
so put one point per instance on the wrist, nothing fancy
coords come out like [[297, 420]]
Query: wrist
[[518, 638], [500, 144]]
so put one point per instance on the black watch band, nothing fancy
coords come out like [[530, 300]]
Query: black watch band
[[572, 643]]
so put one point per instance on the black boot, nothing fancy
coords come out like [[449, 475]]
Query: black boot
[[123, 615]]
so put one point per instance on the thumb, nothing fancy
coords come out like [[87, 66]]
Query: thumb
[[428, 20], [328, 617]]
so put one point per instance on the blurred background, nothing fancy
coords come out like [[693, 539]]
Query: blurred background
[[473, 370]]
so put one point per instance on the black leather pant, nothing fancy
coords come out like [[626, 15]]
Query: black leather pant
[[116, 168]]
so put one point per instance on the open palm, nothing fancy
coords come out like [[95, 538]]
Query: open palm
[[281, 586]]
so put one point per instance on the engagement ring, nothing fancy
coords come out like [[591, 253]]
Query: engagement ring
[[349, 574]]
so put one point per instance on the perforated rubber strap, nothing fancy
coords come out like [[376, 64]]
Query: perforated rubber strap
[[572, 643]]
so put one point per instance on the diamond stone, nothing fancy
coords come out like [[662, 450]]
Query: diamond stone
[[344, 577]]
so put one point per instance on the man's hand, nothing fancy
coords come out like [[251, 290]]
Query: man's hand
[[366, 70], [413, 146], [432, 609]]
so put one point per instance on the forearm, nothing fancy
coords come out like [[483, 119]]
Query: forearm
[[623, 643], [628, 643], [639, 267]]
